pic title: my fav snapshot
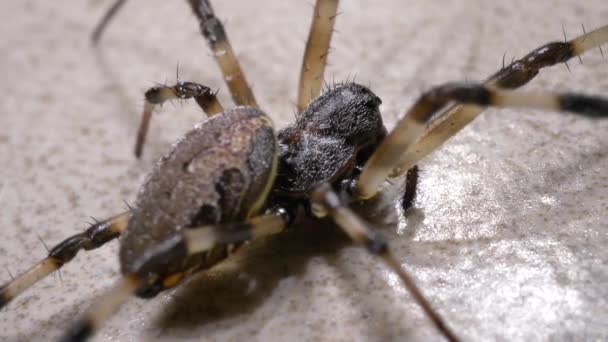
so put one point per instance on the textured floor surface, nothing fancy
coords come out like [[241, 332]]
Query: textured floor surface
[[508, 238]]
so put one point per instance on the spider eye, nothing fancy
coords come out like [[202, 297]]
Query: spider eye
[[377, 101], [373, 102]]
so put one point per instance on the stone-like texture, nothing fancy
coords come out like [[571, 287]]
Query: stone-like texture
[[508, 238]]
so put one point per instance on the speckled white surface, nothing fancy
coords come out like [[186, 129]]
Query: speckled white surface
[[509, 238]]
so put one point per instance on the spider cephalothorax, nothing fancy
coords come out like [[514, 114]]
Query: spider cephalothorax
[[324, 142]]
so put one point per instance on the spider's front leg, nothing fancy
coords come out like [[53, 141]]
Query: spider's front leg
[[156, 96], [326, 202], [388, 155], [514, 75]]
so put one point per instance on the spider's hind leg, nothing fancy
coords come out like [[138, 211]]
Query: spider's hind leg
[[95, 236]]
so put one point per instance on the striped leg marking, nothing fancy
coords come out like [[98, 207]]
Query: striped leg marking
[[317, 49], [325, 199], [201, 239], [213, 31], [96, 236], [205, 238], [512, 76], [410, 128], [156, 96], [192, 241]]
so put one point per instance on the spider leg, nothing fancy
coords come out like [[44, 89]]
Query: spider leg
[[103, 23], [317, 48], [411, 186], [191, 241], [204, 238], [412, 125], [326, 202], [213, 31], [95, 236], [515, 75], [155, 96]]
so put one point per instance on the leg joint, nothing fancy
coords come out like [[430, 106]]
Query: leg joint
[[213, 30], [157, 95], [186, 90], [67, 250], [466, 93], [549, 54], [287, 214], [97, 235], [523, 70], [375, 243], [211, 27]]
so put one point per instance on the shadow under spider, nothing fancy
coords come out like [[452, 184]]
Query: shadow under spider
[[241, 284]]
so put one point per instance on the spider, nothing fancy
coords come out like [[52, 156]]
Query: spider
[[351, 184]]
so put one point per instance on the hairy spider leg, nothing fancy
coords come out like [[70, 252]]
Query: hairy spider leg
[[412, 125], [156, 96], [95, 236], [213, 31], [190, 242], [515, 75], [326, 202], [317, 49]]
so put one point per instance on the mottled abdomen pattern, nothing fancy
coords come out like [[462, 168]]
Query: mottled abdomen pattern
[[219, 172]]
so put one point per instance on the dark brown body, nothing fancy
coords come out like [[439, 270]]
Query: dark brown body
[[220, 171], [334, 134]]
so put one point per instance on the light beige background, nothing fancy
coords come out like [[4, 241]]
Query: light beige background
[[509, 238]]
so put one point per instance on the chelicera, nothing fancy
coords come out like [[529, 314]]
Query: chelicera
[[232, 179]]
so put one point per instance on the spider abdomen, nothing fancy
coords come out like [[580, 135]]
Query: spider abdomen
[[219, 172]]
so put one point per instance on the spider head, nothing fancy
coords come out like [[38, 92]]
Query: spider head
[[347, 111], [336, 131]]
